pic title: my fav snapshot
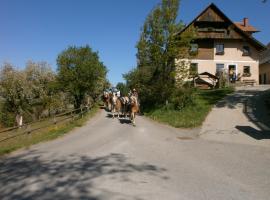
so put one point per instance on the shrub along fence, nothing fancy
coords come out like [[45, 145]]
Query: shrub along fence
[[28, 128]]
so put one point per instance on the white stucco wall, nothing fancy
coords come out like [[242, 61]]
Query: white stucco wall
[[233, 56]]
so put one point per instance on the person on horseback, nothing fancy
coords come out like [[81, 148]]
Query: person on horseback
[[133, 104], [134, 93]]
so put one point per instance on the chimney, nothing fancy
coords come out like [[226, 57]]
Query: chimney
[[245, 21]]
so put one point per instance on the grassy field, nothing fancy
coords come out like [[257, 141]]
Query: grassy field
[[192, 115], [50, 132]]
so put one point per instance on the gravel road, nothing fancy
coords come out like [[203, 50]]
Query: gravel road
[[240, 118], [109, 159]]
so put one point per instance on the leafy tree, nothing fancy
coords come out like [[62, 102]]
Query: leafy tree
[[41, 79], [159, 46], [81, 73], [123, 88], [16, 93], [28, 92]]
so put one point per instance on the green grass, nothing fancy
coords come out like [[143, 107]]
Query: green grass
[[46, 134], [192, 115]]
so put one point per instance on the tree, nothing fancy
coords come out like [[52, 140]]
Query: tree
[[16, 94], [46, 94], [123, 88], [158, 48], [81, 73], [27, 92]]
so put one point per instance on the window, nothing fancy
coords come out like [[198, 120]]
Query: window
[[219, 69], [246, 71], [194, 48], [219, 49], [193, 70], [246, 51]]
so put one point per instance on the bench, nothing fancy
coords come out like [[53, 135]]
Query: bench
[[249, 82]]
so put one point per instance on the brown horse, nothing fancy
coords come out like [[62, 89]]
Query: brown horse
[[116, 106], [107, 100], [125, 105], [134, 108]]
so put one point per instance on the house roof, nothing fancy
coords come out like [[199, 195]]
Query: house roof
[[209, 75], [247, 28], [252, 40]]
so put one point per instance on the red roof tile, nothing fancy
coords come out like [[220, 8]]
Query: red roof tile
[[247, 28]]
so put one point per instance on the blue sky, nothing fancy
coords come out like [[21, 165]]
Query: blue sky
[[39, 30]]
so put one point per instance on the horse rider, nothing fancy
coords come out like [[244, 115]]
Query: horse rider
[[134, 93]]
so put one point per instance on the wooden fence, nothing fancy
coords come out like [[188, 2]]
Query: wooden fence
[[29, 128]]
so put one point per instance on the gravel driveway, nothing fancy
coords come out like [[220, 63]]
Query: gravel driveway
[[240, 118]]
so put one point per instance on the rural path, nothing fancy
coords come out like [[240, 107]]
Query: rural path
[[108, 159], [241, 117]]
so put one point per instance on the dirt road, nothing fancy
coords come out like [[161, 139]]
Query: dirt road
[[108, 159]]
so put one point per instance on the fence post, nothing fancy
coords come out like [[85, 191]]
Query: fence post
[[29, 129], [81, 113], [72, 115], [54, 119]]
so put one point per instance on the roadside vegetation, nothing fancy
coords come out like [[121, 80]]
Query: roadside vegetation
[[157, 76], [162, 76], [36, 91], [37, 95], [51, 131], [193, 113]]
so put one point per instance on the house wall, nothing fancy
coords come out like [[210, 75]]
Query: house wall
[[233, 56], [265, 69], [233, 51]]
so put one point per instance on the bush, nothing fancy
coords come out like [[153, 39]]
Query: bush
[[182, 97], [223, 81], [7, 119]]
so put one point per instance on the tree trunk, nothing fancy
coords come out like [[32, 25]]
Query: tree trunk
[[78, 101]]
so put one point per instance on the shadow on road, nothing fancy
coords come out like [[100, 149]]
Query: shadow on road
[[252, 132], [252, 102], [257, 112], [124, 121], [236, 99], [72, 177], [109, 115]]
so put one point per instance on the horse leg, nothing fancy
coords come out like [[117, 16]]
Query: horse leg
[[112, 111], [117, 113], [125, 111], [106, 106], [132, 117]]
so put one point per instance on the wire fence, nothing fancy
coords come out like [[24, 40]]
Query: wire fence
[[31, 127]]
